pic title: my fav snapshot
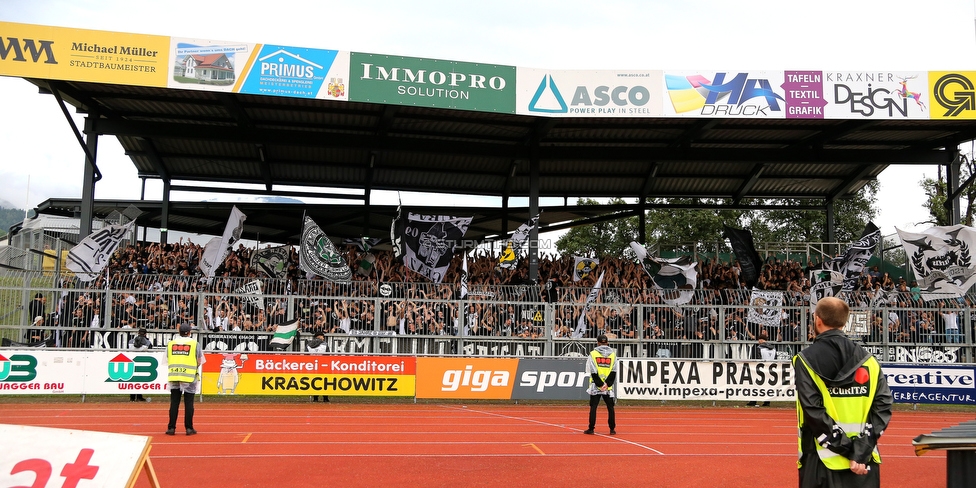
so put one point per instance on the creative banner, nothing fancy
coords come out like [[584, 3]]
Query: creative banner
[[602, 93], [658, 379], [950, 385], [397, 80], [33, 371], [481, 378], [60, 53], [235, 373]]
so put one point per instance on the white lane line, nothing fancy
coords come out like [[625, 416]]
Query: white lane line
[[618, 439]]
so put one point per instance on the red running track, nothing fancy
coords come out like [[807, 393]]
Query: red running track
[[407, 445]]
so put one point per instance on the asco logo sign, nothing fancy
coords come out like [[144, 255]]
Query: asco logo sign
[[140, 369], [18, 367]]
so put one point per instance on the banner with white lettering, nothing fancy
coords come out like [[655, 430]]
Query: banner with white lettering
[[666, 379], [949, 385], [253, 293]]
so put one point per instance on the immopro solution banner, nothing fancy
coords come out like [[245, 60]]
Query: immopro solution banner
[[379, 78]]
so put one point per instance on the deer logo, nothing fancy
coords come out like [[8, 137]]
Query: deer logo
[[904, 93]]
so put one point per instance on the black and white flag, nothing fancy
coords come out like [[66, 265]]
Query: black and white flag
[[852, 262], [464, 276], [582, 267], [428, 242], [272, 261], [766, 307], [218, 248], [580, 329], [745, 251], [91, 255], [397, 228], [318, 255], [676, 277], [253, 293], [513, 250], [942, 259]]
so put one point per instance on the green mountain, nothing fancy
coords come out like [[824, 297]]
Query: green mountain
[[8, 217]]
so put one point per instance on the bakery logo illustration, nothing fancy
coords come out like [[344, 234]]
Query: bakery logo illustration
[[138, 369]]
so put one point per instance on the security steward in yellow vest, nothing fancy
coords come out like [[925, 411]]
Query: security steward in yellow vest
[[843, 405], [601, 366], [184, 358]]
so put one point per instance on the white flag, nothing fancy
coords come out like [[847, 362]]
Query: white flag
[[766, 307], [942, 259], [217, 249], [581, 323], [253, 293], [513, 250], [89, 257]]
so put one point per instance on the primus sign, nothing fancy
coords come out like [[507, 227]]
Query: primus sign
[[399, 80]]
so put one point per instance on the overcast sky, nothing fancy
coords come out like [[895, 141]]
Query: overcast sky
[[38, 148]]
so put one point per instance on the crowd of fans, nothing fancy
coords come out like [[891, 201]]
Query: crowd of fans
[[164, 282]]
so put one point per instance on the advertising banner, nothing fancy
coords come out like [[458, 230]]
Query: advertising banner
[[397, 80], [298, 72], [236, 373], [952, 94], [481, 378], [198, 64], [725, 94], [60, 53], [868, 95], [32, 372], [551, 379], [659, 379], [950, 385], [605, 93]]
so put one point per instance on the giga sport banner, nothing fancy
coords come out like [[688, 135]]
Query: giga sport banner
[[675, 379], [34, 372], [236, 373]]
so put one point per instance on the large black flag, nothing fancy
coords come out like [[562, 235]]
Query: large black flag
[[428, 241], [745, 252]]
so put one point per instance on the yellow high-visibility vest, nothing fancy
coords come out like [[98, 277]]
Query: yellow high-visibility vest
[[604, 364], [848, 406], [181, 355]]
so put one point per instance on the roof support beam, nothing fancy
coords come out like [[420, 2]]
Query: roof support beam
[[749, 183]]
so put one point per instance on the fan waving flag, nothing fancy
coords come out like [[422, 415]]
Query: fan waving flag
[[841, 273], [272, 261], [318, 255], [942, 259], [745, 251], [218, 248], [677, 277], [284, 335], [428, 242], [90, 256], [580, 330], [513, 250], [582, 267]]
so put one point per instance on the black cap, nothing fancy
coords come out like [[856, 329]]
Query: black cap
[[602, 339], [185, 328], [142, 330]]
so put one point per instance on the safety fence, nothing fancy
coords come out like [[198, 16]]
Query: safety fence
[[41, 371]]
